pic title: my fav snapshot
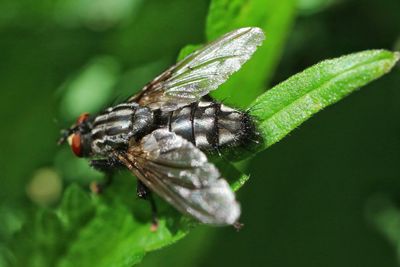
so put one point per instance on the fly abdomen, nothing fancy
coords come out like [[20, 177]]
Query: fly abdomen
[[214, 128]]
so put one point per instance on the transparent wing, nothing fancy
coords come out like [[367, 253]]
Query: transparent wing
[[202, 71], [180, 173]]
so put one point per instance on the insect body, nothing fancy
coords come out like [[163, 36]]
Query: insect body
[[212, 127], [162, 134]]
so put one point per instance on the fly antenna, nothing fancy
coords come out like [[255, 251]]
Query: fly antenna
[[65, 134], [64, 137]]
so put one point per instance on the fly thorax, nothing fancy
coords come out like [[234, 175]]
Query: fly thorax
[[117, 126]]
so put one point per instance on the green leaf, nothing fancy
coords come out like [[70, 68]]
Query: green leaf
[[114, 229], [287, 105], [275, 18], [106, 230]]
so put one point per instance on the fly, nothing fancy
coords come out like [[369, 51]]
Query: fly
[[163, 133]]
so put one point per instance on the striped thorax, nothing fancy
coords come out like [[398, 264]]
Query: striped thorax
[[118, 125]]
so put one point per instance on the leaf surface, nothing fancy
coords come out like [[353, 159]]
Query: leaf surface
[[290, 103]]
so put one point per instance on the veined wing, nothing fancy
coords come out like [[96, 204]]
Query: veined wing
[[202, 71], [180, 173]]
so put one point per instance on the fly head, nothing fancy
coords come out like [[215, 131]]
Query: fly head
[[79, 136]]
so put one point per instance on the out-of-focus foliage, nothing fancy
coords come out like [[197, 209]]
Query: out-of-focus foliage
[[97, 231], [62, 61], [304, 205], [384, 214], [101, 73], [275, 18]]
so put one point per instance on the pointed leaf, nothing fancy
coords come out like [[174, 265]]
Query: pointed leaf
[[287, 105]]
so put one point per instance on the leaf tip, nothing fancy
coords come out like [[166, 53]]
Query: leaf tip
[[396, 56], [394, 60]]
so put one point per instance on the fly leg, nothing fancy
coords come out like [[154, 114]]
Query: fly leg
[[237, 225], [144, 193], [107, 166], [99, 187]]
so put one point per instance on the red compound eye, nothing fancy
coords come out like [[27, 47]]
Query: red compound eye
[[82, 118], [76, 144]]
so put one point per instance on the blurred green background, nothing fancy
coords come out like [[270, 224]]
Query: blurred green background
[[317, 198]]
